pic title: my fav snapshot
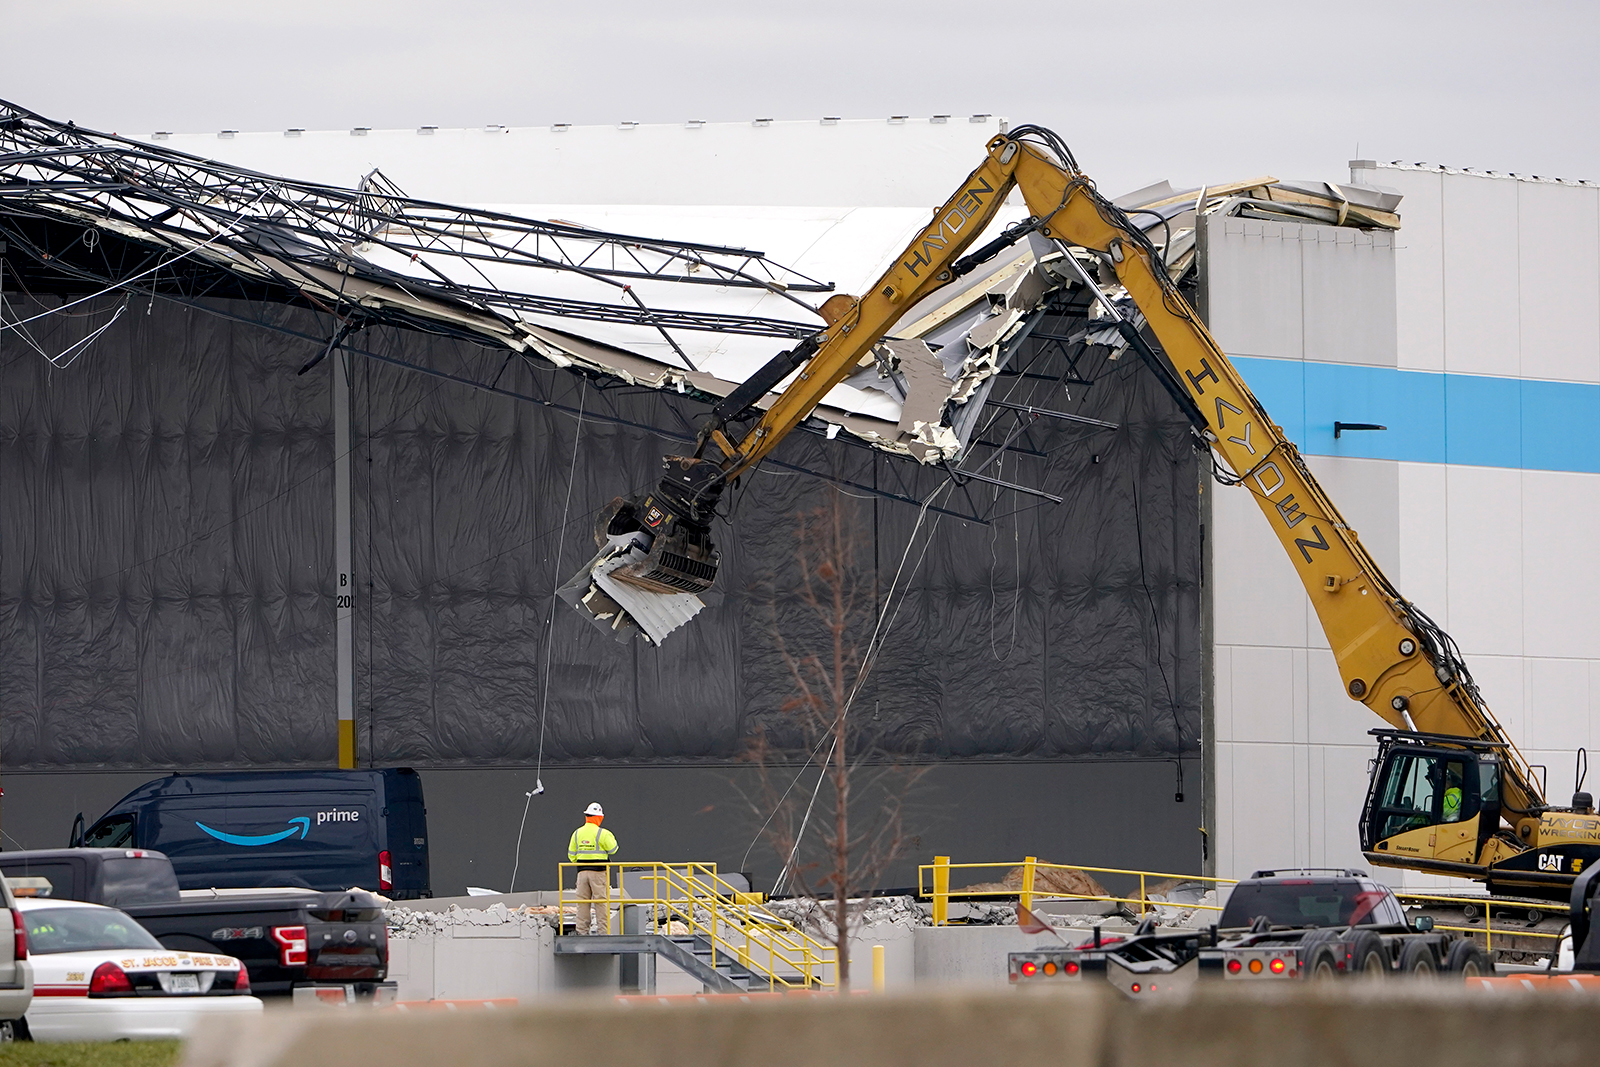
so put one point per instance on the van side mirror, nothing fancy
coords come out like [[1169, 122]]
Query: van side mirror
[[1422, 923], [76, 840]]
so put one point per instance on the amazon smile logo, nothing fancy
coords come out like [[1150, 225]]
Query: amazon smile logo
[[300, 824]]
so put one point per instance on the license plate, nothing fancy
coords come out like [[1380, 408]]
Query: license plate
[[185, 983]]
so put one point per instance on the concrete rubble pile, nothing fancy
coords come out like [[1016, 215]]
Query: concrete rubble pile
[[405, 923]]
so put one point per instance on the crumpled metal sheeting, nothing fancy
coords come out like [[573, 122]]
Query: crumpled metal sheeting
[[622, 610]]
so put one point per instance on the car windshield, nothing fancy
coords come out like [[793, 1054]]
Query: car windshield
[[83, 930], [1307, 903]]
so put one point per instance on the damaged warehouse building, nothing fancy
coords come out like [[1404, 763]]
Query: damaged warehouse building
[[290, 473]]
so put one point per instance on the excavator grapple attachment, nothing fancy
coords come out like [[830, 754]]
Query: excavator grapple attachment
[[655, 556]]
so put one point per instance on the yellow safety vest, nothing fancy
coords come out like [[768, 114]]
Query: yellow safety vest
[[1452, 804], [591, 844]]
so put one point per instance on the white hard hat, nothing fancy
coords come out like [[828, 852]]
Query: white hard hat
[[594, 809]]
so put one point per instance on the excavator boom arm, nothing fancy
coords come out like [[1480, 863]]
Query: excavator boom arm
[[1389, 657]]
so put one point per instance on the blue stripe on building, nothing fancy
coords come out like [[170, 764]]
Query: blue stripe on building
[[1431, 417]]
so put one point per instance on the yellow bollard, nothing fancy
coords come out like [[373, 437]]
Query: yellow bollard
[[1025, 898], [941, 890], [879, 977]]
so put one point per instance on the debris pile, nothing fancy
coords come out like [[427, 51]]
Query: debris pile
[[405, 923], [1047, 881], [815, 917]]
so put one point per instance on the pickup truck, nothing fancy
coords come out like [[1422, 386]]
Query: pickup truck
[[1276, 926], [288, 938]]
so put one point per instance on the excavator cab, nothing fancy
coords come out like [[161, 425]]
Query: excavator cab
[[1432, 803]]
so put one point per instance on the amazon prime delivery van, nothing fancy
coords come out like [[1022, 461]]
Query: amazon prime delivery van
[[326, 830]]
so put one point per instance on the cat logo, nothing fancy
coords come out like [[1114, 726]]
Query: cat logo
[[1550, 863], [653, 517]]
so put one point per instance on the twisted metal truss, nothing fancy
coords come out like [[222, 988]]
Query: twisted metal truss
[[115, 212]]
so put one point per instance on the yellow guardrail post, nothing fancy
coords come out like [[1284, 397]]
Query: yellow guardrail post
[[879, 977], [1025, 898], [941, 890]]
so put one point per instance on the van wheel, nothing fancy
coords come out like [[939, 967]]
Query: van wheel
[[14, 1030], [1367, 957], [1416, 958], [1468, 960]]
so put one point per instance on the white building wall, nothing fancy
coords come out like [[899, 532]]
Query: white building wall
[[1485, 517]]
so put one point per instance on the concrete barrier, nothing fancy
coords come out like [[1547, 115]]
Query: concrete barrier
[[1419, 1024]]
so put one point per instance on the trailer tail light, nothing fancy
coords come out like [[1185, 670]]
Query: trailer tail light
[[1234, 966], [1255, 966], [109, 978], [291, 945], [19, 950], [385, 872], [1276, 966], [1028, 968], [1049, 968], [1071, 967]]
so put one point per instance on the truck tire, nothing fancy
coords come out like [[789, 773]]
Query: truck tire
[[1322, 963], [1468, 960], [1317, 957], [1416, 958], [1367, 958]]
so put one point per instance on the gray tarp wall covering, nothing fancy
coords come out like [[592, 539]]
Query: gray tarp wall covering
[[167, 575]]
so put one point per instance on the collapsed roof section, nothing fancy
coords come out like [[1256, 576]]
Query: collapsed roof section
[[691, 316]]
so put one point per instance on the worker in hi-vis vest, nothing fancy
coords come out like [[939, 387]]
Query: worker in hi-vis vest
[[592, 848]]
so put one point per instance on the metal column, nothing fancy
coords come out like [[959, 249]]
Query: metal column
[[344, 590]]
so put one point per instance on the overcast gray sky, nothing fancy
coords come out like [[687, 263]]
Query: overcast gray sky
[[1194, 92]]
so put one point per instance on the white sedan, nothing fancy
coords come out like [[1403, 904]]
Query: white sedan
[[100, 976]]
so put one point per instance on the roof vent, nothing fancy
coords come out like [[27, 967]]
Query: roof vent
[[427, 131], [981, 118], [294, 131], [939, 120], [830, 120], [761, 122], [161, 135], [898, 120], [494, 127], [694, 124], [627, 125], [360, 131], [560, 127], [226, 134]]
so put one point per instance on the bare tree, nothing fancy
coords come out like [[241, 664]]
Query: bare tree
[[822, 628]]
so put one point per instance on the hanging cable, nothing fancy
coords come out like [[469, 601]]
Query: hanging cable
[[874, 644], [517, 863], [550, 624], [124, 283]]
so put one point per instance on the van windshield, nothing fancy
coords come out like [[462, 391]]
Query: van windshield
[[83, 930]]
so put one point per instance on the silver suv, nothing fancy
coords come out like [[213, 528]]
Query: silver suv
[[16, 973]]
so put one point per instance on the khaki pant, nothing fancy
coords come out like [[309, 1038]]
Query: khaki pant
[[592, 885]]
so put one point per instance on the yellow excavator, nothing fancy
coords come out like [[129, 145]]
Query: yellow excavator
[[1449, 794]]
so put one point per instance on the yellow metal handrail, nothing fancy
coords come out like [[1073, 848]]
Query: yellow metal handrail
[[1487, 930], [733, 922], [940, 892]]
